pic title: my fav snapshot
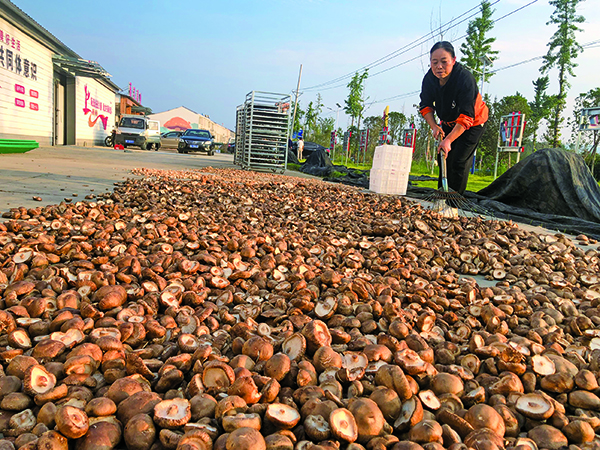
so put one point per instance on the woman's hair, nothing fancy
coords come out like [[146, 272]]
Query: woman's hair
[[444, 45]]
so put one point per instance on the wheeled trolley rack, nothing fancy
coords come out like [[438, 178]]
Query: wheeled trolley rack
[[262, 128]]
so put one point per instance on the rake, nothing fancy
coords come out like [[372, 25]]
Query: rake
[[449, 203]]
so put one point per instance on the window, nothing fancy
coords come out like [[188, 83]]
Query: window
[[132, 122]]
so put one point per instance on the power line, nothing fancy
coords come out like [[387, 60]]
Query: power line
[[416, 57], [592, 44], [403, 49]]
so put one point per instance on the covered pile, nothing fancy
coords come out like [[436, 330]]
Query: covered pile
[[248, 311]]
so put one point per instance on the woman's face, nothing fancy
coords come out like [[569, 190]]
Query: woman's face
[[442, 63]]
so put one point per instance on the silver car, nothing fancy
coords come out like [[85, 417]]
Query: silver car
[[170, 139]]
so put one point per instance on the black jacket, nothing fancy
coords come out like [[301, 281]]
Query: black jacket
[[457, 101]]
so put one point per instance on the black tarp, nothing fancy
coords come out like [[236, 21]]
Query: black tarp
[[292, 158], [319, 164], [552, 188]]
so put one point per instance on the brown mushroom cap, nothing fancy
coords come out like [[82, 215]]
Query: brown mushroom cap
[[241, 420], [245, 439], [388, 401], [294, 346], [53, 440], [542, 365], [217, 375], [316, 428], [278, 366], [584, 399], [38, 380], [139, 403], [368, 416], [100, 406], [411, 413], [172, 413], [579, 431], [343, 425], [325, 358], [426, 431], [429, 399], [447, 383], [101, 435], [278, 441], [546, 436], [534, 406], [71, 422], [140, 432], [484, 416], [282, 415]]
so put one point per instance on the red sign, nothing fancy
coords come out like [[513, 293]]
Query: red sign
[[20, 103], [20, 89], [34, 106], [332, 142], [33, 93]]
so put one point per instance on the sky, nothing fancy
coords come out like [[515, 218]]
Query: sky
[[207, 55]]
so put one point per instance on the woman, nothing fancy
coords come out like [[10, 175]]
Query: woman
[[450, 91]]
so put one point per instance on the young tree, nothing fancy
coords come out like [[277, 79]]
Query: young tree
[[298, 121], [396, 122], [563, 49], [313, 111], [541, 107], [478, 45], [355, 103]]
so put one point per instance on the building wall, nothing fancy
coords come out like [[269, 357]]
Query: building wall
[[26, 83], [183, 118], [94, 112]]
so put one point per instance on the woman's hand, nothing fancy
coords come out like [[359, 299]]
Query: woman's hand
[[438, 133], [445, 146]]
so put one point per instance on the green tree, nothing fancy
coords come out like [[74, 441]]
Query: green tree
[[563, 49], [396, 122], [478, 44], [541, 107], [355, 103], [311, 116], [588, 142], [298, 121], [488, 145]]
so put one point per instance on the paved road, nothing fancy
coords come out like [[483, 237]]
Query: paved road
[[56, 173]]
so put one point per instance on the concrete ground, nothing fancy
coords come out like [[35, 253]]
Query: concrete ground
[[56, 173]]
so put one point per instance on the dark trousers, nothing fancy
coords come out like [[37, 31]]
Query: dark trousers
[[460, 157]]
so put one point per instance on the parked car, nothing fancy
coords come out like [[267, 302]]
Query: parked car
[[231, 146], [195, 140], [138, 131], [170, 139]]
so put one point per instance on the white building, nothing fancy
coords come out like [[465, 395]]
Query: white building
[[48, 93], [183, 118]]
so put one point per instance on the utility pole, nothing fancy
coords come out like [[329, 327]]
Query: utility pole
[[296, 101]]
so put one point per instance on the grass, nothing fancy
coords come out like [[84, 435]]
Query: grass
[[476, 181]]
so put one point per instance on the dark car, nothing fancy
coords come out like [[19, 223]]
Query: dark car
[[195, 140]]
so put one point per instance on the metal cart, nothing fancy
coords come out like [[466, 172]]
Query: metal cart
[[239, 135], [263, 127]]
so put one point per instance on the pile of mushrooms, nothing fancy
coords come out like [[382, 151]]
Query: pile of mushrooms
[[229, 310]]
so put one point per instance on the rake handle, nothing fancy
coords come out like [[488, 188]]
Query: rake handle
[[443, 168]]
